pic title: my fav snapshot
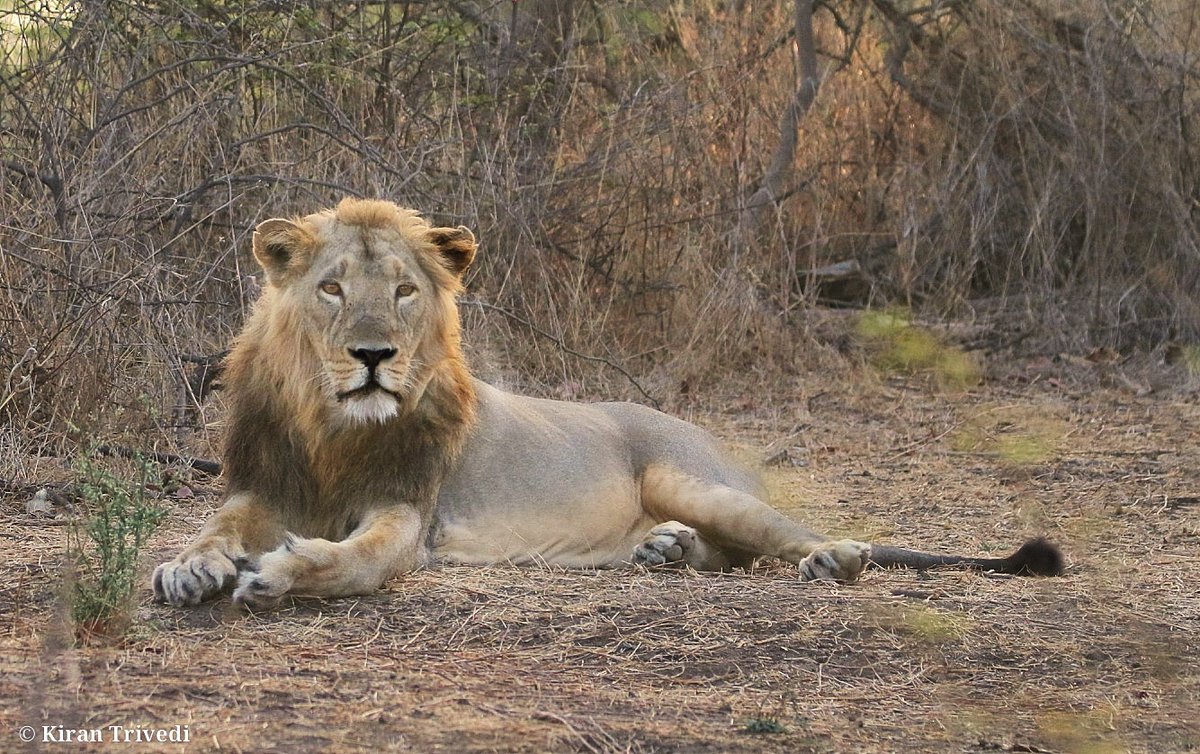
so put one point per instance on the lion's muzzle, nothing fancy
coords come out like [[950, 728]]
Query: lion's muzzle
[[370, 356], [372, 400]]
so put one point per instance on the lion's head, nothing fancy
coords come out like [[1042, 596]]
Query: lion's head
[[361, 300]]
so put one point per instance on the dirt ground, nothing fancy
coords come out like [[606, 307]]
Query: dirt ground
[[1103, 659]]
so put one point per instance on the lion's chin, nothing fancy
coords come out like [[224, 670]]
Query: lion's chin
[[375, 407]]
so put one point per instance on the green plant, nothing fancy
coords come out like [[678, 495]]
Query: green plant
[[763, 725], [106, 544], [902, 346]]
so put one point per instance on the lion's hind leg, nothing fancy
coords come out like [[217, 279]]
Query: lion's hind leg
[[729, 527]]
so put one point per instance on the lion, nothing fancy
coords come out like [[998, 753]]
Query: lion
[[359, 446]]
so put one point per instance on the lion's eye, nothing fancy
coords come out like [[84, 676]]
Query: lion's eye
[[405, 290], [331, 287]]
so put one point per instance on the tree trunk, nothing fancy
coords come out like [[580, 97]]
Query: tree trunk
[[780, 167]]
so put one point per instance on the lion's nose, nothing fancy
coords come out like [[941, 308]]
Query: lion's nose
[[372, 356]]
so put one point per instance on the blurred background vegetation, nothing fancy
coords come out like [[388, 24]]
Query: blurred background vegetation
[[665, 192]]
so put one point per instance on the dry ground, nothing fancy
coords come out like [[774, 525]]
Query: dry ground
[[464, 660]]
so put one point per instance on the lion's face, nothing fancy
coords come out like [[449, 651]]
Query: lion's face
[[372, 287], [369, 304]]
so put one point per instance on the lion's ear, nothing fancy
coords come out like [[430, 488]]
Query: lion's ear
[[456, 247], [280, 246]]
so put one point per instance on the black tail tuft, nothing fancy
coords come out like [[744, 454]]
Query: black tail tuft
[[1037, 557]]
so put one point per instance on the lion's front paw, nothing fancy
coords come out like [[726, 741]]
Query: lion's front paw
[[191, 579], [671, 542], [258, 591], [843, 560], [262, 588], [298, 565]]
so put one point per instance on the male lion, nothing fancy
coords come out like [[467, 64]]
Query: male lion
[[359, 446]]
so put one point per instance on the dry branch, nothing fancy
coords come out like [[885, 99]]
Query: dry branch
[[990, 149], [784, 154], [558, 342]]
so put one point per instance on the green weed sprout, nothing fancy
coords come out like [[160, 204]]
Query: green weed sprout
[[106, 545]]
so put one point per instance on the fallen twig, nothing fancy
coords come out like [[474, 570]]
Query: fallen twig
[[199, 464]]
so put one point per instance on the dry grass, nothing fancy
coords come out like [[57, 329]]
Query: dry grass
[[506, 659]]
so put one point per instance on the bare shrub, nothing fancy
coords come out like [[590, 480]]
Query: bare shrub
[[604, 154], [1066, 171]]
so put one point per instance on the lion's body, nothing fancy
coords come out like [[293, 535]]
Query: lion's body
[[360, 447], [563, 483]]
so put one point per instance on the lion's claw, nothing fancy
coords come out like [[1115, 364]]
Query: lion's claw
[[275, 576], [259, 590], [193, 579], [256, 591]]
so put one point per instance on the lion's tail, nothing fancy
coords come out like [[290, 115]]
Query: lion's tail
[[1037, 557]]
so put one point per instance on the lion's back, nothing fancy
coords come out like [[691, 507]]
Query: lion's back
[[523, 438]]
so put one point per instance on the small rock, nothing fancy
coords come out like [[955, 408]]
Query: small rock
[[40, 504]]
